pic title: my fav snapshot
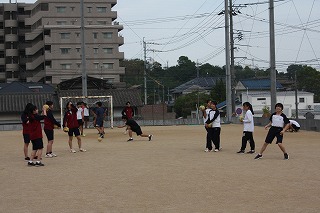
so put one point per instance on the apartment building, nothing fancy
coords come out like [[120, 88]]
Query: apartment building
[[41, 42]]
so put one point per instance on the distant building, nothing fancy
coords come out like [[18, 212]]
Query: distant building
[[201, 84], [255, 85], [41, 42], [261, 99]]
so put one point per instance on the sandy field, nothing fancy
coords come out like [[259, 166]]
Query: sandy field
[[172, 173]]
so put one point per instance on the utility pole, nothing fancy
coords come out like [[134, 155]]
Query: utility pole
[[83, 52], [232, 71], [273, 91], [198, 92], [145, 70], [296, 93], [228, 77]]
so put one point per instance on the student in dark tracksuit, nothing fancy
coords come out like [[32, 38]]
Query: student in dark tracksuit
[[49, 122], [206, 116], [36, 135], [26, 129], [279, 123], [133, 127]]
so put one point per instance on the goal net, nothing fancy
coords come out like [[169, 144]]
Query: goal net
[[91, 101]]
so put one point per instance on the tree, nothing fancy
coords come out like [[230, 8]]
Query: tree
[[218, 92], [184, 104]]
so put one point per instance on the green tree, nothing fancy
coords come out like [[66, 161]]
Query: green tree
[[218, 92], [184, 104]]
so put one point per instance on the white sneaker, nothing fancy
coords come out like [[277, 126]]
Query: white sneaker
[[82, 150], [72, 151], [48, 155], [216, 150], [53, 155], [206, 150]]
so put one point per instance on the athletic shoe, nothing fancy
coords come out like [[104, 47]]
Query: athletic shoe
[[53, 155], [241, 152], [130, 139], [101, 136], [27, 158], [83, 135], [259, 156], [48, 155], [251, 152], [216, 150], [82, 150], [31, 164], [72, 151], [39, 164], [206, 150], [286, 156], [150, 137]]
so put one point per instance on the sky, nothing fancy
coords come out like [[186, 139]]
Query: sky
[[174, 28]]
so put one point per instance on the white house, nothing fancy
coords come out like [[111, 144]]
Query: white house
[[261, 99]]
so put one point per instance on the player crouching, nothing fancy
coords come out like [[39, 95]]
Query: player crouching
[[132, 126]]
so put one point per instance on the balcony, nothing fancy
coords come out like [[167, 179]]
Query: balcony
[[32, 35], [12, 67], [120, 40], [35, 63], [11, 38], [11, 23], [10, 7], [12, 52], [2, 61], [35, 48]]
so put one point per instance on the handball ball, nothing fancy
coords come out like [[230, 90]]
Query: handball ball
[[99, 139], [46, 107], [202, 107], [241, 118], [66, 129]]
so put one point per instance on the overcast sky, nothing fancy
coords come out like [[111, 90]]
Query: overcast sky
[[173, 28]]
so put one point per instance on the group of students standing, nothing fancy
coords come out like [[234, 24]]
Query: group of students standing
[[278, 123], [32, 130]]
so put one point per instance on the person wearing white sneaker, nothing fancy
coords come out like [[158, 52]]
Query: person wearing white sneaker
[[49, 124], [213, 123], [132, 126], [70, 121]]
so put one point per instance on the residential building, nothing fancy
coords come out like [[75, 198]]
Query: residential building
[[41, 42], [259, 100]]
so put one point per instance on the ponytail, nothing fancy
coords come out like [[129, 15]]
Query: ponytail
[[248, 105]]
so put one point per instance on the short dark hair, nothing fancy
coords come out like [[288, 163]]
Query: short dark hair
[[124, 117], [214, 102], [49, 103], [128, 102], [279, 105], [99, 103]]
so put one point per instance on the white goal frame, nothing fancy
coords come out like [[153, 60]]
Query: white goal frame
[[83, 98]]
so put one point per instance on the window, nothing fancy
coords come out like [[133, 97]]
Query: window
[[96, 65], [65, 35], [101, 9], [44, 7], [95, 50], [301, 100], [101, 22], [78, 49], [95, 35], [61, 22], [261, 99], [65, 50], [107, 35], [66, 66], [61, 9], [108, 50], [89, 9], [108, 65]]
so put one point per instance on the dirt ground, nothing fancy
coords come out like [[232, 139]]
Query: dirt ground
[[172, 173]]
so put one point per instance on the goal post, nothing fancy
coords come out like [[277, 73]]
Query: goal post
[[91, 101]]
